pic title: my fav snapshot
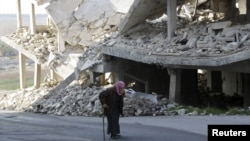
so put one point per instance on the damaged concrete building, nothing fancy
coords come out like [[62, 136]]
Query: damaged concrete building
[[167, 47]]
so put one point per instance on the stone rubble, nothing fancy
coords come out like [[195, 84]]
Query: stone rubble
[[75, 100], [40, 44], [194, 41]]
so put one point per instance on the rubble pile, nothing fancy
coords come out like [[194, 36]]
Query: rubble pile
[[214, 39], [39, 44], [75, 100], [201, 32]]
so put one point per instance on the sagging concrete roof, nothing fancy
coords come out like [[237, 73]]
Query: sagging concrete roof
[[174, 60]]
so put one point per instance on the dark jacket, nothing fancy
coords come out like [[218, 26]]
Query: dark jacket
[[108, 97]]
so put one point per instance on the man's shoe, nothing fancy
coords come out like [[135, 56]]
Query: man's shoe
[[114, 137]]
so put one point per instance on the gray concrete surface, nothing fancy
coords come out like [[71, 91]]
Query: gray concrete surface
[[192, 124]]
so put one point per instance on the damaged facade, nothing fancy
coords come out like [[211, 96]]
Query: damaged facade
[[155, 46]]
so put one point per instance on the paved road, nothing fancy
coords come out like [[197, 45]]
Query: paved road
[[36, 127]]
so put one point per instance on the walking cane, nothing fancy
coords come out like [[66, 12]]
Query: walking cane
[[103, 126]]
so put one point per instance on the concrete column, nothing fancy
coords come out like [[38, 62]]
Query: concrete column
[[37, 75], [19, 14], [22, 71], [52, 74], [49, 21], [60, 41], [91, 77], [175, 85], [246, 89], [171, 12], [32, 19]]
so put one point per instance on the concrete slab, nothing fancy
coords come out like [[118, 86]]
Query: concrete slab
[[140, 11], [176, 60]]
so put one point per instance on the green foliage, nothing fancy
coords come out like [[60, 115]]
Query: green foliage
[[238, 111], [213, 110], [209, 110]]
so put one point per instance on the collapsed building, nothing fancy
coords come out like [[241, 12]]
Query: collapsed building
[[167, 47]]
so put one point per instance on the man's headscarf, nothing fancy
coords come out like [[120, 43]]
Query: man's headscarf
[[118, 85]]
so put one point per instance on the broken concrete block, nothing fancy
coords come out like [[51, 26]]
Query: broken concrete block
[[221, 25], [62, 9]]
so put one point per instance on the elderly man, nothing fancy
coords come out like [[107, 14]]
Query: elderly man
[[112, 102]]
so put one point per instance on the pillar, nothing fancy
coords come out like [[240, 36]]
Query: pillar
[[19, 15], [32, 19], [22, 71], [60, 41], [175, 85], [37, 75], [171, 12]]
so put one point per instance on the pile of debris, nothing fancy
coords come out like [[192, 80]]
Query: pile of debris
[[214, 39], [75, 100], [40, 44]]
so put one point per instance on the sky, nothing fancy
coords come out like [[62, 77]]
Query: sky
[[10, 7]]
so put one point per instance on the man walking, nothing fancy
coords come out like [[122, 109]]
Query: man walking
[[112, 102]]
